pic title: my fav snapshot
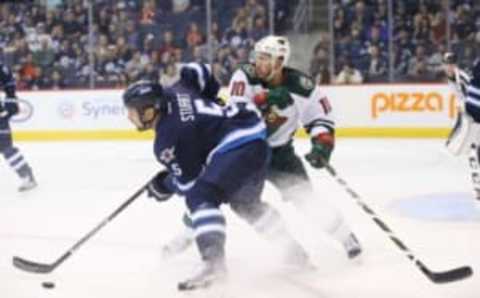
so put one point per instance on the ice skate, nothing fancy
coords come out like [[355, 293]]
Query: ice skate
[[298, 259], [352, 246], [178, 244], [27, 183], [210, 272]]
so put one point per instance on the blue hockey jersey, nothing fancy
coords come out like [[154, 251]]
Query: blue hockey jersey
[[8, 107], [472, 99], [7, 81], [194, 129]]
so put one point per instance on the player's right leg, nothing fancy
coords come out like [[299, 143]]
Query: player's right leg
[[15, 158], [208, 226], [288, 174], [182, 241]]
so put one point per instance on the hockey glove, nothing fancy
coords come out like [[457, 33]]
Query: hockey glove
[[279, 97], [322, 147], [11, 106], [156, 187]]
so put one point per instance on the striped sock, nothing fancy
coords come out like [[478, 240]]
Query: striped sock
[[209, 228], [17, 162]]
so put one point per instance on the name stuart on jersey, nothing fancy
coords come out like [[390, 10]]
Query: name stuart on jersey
[[185, 108]]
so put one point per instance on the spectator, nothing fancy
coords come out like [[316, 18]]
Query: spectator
[[147, 16], [377, 65], [180, 5], [167, 44], [319, 65], [28, 69], [45, 56], [349, 75], [169, 75], [236, 35], [193, 37], [418, 67], [259, 29], [131, 35]]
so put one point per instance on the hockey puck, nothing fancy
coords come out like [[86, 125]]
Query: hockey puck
[[48, 285]]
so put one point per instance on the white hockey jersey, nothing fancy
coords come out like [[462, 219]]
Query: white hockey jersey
[[309, 107]]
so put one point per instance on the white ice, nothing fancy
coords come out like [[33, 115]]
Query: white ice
[[82, 182]]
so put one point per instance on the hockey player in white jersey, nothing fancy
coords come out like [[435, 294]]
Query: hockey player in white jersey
[[465, 135], [287, 98]]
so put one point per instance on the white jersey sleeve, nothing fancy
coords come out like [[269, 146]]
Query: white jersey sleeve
[[239, 88], [316, 113]]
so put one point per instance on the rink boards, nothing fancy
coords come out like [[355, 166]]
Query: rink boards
[[413, 110]]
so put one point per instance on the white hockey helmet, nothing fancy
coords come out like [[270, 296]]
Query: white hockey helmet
[[276, 46]]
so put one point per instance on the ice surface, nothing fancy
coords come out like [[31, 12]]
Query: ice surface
[[81, 183]]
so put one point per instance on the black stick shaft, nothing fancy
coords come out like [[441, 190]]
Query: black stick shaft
[[441, 277], [46, 268], [102, 224]]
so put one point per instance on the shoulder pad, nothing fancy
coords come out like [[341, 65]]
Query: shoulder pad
[[249, 70], [298, 82]]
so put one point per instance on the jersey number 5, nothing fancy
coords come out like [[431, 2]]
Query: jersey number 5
[[213, 109]]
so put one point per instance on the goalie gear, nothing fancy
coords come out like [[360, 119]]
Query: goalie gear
[[465, 133]]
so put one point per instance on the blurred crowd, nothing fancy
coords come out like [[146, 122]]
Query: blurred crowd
[[47, 44], [420, 31]]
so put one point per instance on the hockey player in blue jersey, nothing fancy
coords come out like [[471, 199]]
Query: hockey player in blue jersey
[[213, 155], [9, 108], [465, 135]]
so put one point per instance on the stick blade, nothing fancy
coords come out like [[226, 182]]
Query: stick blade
[[32, 267], [451, 275]]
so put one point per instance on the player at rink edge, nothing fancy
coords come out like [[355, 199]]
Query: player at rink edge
[[465, 135], [286, 97], [8, 109], [213, 155]]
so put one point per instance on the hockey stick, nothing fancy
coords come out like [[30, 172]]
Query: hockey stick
[[436, 277], [35, 267]]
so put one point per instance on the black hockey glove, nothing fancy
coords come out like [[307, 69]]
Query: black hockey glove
[[8, 108], [322, 147], [156, 187], [11, 106]]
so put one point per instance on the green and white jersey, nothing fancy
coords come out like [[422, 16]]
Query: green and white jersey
[[309, 106]]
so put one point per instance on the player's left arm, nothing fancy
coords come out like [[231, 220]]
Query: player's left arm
[[9, 86], [318, 120]]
